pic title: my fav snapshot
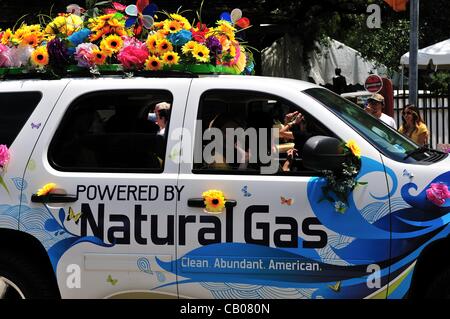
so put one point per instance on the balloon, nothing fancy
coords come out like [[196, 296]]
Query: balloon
[[243, 23], [236, 14], [225, 16]]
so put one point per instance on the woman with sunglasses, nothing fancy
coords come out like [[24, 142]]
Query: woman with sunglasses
[[413, 126]]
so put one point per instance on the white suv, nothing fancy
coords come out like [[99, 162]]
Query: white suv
[[123, 207]]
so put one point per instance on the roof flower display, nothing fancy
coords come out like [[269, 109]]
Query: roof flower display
[[122, 38]]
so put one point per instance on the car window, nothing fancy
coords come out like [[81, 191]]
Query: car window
[[386, 139], [112, 131], [247, 132], [15, 109]]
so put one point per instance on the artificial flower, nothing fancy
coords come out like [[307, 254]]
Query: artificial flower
[[79, 37], [4, 155], [214, 201], [111, 44], [39, 57], [201, 53], [164, 46], [240, 62], [47, 188], [214, 46], [354, 148], [438, 193], [98, 57], [57, 53], [170, 58], [153, 63], [180, 38], [199, 32], [65, 24], [152, 42], [172, 26], [182, 20], [188, 47], [5, 56], [31, 39], [6, 37], [84, 54], [133, 57], [20, 55]]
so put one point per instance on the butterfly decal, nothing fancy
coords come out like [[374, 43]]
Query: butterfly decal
[[336, 287], [36, 126], [286, 201], [408, 174], [73, 216], [111, 280], [236, 18], [245, 191]]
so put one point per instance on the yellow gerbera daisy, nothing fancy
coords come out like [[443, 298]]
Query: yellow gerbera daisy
[[201, 53], [164, 46], [152, 42], [354, 148], [111, 44], [39, 57], [184, 22], [153, 63], [170, 58], [173, 26], [99, 57], [214, 201], [6, 36], [188, 47]]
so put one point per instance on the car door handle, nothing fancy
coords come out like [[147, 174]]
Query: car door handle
[[200, 202], [54, 198]]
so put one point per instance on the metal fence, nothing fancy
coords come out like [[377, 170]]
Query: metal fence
[[435, 110]]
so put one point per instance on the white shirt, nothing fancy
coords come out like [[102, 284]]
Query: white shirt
[[388, 120]]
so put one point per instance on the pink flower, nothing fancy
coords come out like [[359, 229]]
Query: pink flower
[[132, 57], [4, 155], [83, 54], [5, 56], [438, 193], [127, 41]]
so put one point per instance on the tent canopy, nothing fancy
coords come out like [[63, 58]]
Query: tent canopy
[[438, 54]]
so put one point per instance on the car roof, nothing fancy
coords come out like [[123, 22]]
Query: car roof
[[23, 84]]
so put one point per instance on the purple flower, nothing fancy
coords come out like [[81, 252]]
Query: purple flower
[[214, 46], [57, 54]]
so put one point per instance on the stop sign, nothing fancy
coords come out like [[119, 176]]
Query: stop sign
[[373, 83]]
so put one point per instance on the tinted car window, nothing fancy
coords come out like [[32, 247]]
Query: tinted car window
[[15, 109], [111, 131]]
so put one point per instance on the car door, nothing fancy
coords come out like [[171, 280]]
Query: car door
[[276, 236], [110, 213]]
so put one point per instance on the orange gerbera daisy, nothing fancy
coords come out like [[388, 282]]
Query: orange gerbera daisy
[[6, 36], [170, 58], [31, 39], [98, 57], [153, 63], [39, 57], [214, 201]]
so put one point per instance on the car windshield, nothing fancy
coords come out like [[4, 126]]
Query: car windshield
[[387, 140]]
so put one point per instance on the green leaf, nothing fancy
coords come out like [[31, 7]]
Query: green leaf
[[2, 182]]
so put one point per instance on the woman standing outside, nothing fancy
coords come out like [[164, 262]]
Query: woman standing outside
[[413, 126]]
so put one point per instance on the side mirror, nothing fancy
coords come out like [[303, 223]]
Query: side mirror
[[323, 153]]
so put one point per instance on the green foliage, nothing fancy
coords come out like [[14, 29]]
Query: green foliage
[[384, 45], [439, 82]]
